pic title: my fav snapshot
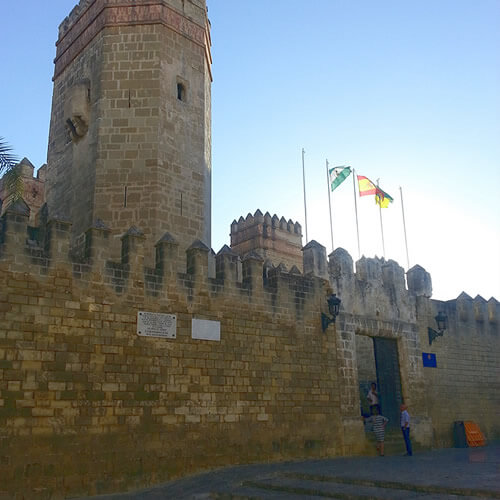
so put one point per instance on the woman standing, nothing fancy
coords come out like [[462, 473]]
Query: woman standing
[[379, 422], [372, 397]]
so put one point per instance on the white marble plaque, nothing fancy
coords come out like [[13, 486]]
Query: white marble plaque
[[151, 324], [204, 329]]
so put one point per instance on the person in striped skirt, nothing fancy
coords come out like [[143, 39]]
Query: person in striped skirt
[[379, 422]]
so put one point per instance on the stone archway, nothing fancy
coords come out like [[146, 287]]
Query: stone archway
[[355, 342]]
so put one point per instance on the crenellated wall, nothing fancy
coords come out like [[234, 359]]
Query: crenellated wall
[[75, 374], [87, 405], [465, 383], [377, 289]]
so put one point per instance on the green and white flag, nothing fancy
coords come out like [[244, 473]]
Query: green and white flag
[[338, 175]]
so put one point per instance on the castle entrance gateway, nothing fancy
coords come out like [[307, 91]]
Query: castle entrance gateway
[[388, 378], [378, 361]]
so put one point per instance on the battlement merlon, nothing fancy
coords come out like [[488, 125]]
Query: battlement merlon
[[89, 17]]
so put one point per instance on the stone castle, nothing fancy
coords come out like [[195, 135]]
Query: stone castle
[[131, 353]]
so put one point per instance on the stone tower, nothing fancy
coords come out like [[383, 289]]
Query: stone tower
[[272, 238], [130, 132]]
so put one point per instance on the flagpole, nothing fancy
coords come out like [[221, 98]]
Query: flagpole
[[304, 184], [329, 202], [381, 225], [356, 209], [404, 227]]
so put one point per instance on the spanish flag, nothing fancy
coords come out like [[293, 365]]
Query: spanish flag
[[366, 186], [382, 198]]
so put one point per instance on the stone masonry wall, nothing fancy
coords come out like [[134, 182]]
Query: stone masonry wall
[[88, 406], [465, 384]]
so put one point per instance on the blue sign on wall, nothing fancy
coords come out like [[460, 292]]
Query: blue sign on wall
[[429, 360]]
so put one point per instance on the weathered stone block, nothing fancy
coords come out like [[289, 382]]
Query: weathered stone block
[[419, 281], [314, 255]]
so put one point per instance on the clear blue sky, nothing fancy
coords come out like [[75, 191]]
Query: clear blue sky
[[404, 91]]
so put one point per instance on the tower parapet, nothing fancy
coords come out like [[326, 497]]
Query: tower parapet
[[272, 238], [33, 188]]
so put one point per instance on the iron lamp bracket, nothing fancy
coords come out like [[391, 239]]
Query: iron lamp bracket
[[434, 334]]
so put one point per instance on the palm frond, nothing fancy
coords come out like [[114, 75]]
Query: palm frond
[[13, 183], [12, 180], [7, 158]]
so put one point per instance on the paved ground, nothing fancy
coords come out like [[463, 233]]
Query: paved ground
[[441, 474]]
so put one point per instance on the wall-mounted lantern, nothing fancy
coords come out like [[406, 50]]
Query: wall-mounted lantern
[[333, 308], [442, 323]]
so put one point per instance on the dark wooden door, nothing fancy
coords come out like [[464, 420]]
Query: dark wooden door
[[388, 378]]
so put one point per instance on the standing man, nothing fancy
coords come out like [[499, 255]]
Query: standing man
[[405, 428]]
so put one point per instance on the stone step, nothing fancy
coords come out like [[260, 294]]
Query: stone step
[[314, 487]]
